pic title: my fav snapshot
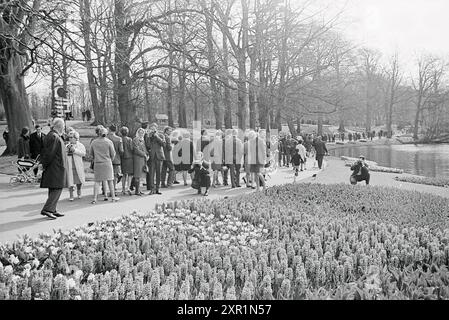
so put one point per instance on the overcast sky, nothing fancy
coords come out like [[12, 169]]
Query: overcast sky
[[410, 27]]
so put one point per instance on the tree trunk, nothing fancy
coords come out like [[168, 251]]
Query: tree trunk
[[15, 101], [241, 61], [227, 92], [417, 115], [291, 127], [213, 72], [86, 21], [127, 109], [298, 125], [320, 124], [252, 94], [182, 116]]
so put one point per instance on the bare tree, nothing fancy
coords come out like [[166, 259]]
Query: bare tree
[[430, 72]]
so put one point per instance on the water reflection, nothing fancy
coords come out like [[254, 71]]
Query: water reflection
[[424, 160]]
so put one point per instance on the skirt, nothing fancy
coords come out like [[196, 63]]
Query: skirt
[[103, 171], [127, 166]]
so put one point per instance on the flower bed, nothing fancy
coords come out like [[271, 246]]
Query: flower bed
[[439, 182], [294, 242]]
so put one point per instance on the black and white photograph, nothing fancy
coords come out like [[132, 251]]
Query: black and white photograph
[[223, 156]]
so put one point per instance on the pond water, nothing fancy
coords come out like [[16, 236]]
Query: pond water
[[423, 160]]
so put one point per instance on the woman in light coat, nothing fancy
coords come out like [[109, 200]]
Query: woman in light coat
[[102, 151], [75, 166]]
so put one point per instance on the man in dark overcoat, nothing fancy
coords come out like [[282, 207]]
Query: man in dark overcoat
[[53, 161], [155, 144]]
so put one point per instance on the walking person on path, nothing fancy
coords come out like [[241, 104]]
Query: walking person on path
[[75, 165], [54, 176], [321, 151], [302, 153], [126, 160], [102, 152], [140, 157]]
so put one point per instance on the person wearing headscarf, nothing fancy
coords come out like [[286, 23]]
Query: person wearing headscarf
[[75, 165]]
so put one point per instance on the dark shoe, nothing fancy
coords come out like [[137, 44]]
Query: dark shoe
[[139, 194], [158, 192], [58, 214], [238, 186], [48, 214], [119, 178], [131, 188], [206, 194], [105, 199], [199, 192], [163, 186], [151, 192], [176, 182]]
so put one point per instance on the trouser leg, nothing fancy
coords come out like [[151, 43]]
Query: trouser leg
[[171, 173], [52, 201], [149, 178], [237, 174], [158, 173], [164, 169], [225, 176], [319, 158]]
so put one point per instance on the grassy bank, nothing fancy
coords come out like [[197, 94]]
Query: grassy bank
[[304, 241]]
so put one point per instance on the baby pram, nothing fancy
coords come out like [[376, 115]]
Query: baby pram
[[26, 169]]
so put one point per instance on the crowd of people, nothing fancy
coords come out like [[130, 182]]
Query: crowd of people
[[157, 158]]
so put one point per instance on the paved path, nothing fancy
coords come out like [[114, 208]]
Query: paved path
[[20, 205], [337, 172]]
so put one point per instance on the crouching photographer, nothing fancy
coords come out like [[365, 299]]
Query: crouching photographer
[[360, 171]]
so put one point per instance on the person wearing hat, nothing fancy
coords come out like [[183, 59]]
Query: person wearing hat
[[360, 171]]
